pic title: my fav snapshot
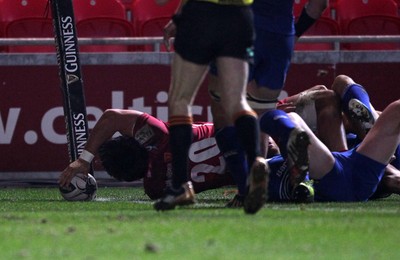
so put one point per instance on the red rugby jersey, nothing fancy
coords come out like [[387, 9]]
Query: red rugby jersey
[[207, 166]]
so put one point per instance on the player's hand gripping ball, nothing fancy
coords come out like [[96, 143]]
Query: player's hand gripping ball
[[81, 188]]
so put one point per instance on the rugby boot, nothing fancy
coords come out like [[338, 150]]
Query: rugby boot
[[185, 196], [258, 186], [361, 113], [297, 149], [304, 192]]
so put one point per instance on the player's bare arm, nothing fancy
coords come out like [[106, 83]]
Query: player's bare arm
[[111, 122]]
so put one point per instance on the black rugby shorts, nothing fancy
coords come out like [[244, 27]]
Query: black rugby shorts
[[206, 31]]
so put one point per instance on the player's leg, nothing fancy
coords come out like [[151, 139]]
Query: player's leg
[[236, 162], [272, 55], [228, 143], [189, 67], [383, 139], [355, 103], [320, 158], [320, 109], [293, 142], [357, 93], [233, 74], [330, 128], [186, 79]]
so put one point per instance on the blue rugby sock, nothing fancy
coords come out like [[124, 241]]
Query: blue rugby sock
[[234, 156], [248, 134], [358, 92], [278, 125]]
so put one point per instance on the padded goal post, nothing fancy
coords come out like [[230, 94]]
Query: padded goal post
[[70, 76]]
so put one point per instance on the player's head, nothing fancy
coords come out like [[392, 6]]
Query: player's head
[[124, 159]]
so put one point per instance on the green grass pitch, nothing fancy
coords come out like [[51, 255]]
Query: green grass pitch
[[36, 223]]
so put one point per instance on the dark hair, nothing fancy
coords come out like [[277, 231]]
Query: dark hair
[[124, 159]]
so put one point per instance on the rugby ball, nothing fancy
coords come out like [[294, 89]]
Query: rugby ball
[[82, 188]]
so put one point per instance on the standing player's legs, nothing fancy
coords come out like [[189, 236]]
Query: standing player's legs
[[186, 80], [189, 67], [272, 55], [228, 143], [234, 39], [203, 32], [232, 77]]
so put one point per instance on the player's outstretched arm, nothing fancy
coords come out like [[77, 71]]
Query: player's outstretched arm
[[111, 122]]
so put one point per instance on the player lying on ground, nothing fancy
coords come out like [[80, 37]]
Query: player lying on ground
[[359, 116], [357, 171], [313, 104], [143, 152], [322, 108]]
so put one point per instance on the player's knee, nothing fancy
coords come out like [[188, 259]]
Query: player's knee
[[341, 82], [294, 117], [320, 87], [327, 99]]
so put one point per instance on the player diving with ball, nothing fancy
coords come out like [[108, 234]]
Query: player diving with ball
[[142, 152]]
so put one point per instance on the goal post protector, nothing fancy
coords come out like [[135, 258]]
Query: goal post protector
[[72, 88]]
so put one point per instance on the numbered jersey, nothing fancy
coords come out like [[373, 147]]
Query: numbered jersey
[[207, 166]]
